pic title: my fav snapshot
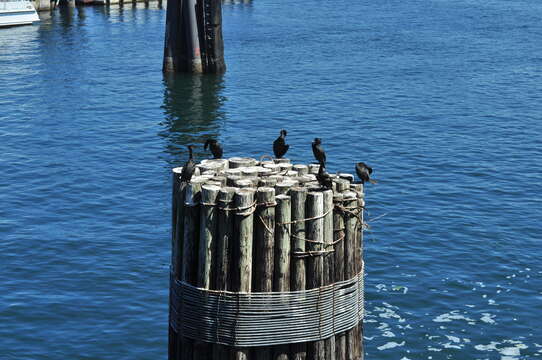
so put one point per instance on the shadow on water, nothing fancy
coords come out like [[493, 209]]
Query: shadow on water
[[192, 112]]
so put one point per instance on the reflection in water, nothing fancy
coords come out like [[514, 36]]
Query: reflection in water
[[105, 10], [66, 16], [81, 16], [192, 109], [237, 2]]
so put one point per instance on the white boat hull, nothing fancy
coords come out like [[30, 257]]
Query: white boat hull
[[17, 12]]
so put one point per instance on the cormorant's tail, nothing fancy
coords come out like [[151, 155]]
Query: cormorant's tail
[[322, 164]]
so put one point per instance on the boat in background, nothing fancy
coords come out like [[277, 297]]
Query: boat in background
[[17, 12]]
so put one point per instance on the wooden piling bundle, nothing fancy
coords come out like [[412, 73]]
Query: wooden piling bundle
[[193, 37], [243, 226]]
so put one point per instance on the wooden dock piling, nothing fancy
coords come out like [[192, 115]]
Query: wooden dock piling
[[315, 262], [193, 37], [190, 251], [207, 252], [264, 241], [177, 196], [273, 243], [338, 257], [298, 280], [224, 245], [281, 279], [244, 226], [350, 202], [328, 259], [358, 259]]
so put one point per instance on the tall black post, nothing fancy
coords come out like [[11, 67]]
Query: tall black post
[[193, 39]]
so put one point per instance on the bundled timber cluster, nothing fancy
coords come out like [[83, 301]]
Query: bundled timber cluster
[[246, 226], [193, 37]]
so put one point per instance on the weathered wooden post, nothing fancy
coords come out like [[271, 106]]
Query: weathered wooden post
[[329, 269], [206, 253], [298, 280], [338, 240], [223, 253], [341, 185], [281, 280], [193, 37], [358, 259], [190, 253], [244, 226], [177, 205], [350, 221], [315, 264], [264, 247]]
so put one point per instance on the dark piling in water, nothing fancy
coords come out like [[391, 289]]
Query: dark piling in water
[[193, 37]]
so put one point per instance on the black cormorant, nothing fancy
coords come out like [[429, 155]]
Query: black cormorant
[[323, 177], [188, 168], [215, 147], [279, 145], [363, 170], [318, 151]]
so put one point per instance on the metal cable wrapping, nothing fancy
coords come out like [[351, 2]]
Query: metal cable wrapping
[[266, 318]]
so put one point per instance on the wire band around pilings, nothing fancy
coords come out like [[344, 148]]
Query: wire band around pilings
[[264, 319]]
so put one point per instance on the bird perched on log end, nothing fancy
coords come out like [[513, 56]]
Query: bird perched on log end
[[323, 177], [215, 147], [318, 151], [363, 170], [188, 168], [279, 145]]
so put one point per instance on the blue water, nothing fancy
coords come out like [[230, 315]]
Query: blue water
[[441, 97]]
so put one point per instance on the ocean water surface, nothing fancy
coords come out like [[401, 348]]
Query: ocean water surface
[[441, 97]]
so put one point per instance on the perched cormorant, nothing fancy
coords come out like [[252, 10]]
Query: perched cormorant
[[188, 168], [363, 170], [323, 177], [318, 151], [279, 145], [215, 147]]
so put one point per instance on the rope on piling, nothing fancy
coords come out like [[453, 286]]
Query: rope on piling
[[266, 318], [306, 219], [312, 253]]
